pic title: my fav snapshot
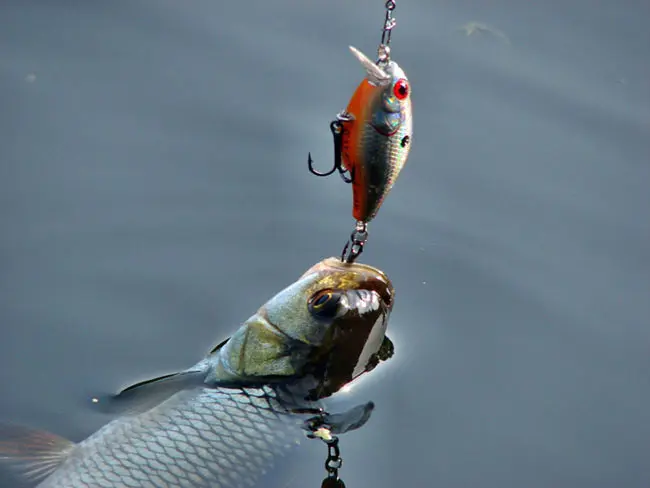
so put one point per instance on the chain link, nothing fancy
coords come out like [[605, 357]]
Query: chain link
[[332, 464], [334, 461], [383, 52], [354, 247], [320, 429]]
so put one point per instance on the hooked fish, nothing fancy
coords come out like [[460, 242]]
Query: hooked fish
[[221, 422], [377, 134]]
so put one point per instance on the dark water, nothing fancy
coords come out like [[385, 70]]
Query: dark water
[[154, 193]]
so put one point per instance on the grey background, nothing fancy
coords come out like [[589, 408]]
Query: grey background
[[154, 193]]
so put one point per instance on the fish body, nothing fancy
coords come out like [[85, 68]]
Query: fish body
[[221, 422], [377, 134], [207, 437]]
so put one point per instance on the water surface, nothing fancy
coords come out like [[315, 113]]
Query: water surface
[[154, 192]]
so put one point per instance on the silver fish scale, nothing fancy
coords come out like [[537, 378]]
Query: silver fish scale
[[202, 438], [383, 158]]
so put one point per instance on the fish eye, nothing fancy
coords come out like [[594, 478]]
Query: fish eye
[[325, 303], [323, 299], [401, 89]]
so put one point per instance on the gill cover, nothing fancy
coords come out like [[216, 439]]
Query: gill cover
[[297, 331]]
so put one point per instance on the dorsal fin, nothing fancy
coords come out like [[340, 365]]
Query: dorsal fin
[[219, 346], [145, 395], [30, 454]]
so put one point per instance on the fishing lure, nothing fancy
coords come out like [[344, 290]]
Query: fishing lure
[[372, 136]]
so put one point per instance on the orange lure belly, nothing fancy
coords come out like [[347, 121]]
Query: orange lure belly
[[352, 154]]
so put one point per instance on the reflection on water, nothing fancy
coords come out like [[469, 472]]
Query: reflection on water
[[153, 187]]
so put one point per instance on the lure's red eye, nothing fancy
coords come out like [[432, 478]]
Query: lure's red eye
[[401, 89]]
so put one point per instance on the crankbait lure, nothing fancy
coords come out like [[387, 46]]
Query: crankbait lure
[[372, 136]]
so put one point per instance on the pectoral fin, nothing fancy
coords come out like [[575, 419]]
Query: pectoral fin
[[340, 423], [147, 394], [351, 419], [31, 455]]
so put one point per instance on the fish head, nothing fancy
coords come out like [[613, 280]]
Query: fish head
[[355, 300], [329, 294], [384, 98], [334, 313]]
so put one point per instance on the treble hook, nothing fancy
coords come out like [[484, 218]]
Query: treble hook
[[336, 126]]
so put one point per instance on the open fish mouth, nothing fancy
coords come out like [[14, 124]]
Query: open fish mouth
[[364, 301]]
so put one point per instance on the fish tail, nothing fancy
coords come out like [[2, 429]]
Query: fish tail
[[30, 455]]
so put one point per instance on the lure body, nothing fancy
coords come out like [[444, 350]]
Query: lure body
[[377, 133]]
